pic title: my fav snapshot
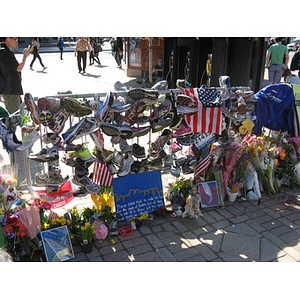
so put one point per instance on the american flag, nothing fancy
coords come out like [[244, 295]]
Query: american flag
[[207, 119], [202, 165], [101, 174], [204, 161]]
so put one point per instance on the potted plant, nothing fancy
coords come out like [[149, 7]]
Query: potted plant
[[85, 234]]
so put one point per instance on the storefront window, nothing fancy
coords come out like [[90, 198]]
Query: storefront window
[[135, 52]]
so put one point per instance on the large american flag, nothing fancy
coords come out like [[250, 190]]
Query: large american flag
[[207, 119], [101, 174]]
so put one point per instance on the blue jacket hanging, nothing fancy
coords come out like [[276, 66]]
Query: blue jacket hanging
[[276, 109]]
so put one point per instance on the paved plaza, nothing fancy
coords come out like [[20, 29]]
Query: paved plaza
[[243, 231]]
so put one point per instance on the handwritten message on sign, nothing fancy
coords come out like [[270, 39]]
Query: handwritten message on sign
[[137, 194]]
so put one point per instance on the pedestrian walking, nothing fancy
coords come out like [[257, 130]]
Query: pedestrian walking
[[94, 54], [277, 60], [117, 50], [82, 47], [35, 46], [61, 46]]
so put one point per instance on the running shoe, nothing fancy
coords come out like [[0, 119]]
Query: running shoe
[[45, 155], [85, 126], [139, 93], [84, 154], [28, 140], [126, 166], [103, 107], [163, 109], [58, 121], [51, 137], [9, 139], [32, 107], [87, 183], [80, 192], [75, 107]]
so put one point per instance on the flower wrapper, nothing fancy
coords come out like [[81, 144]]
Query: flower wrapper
[[30, 217]]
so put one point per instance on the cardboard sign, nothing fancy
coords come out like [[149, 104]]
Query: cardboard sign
[[138, 194]]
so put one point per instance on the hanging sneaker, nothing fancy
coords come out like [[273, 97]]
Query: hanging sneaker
[[58, 121], [45, 155], [103, 107], [162, 110], [126, 166], [107, 155], [118, 159], [75, 107], [160, 85], [160, 124], [139, 93], [87, 183], [186, 101], [53, 105], [138, 107], [32, 107], [159, 143], [138, 151], [28, 140], [80, 192], [51, 137], [84, 154], [85, 126], [9, 139], [184, 129]]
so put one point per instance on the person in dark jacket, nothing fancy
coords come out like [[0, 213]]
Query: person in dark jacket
[[61, 46], [11, 70], [295, 63]]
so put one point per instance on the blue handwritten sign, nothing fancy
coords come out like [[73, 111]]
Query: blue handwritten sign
[[137, 194]]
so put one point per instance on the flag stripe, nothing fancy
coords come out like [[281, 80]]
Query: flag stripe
[[101, 174]]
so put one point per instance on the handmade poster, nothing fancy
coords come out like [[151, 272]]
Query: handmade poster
[[57, 244], [137, 194], [209, 194]]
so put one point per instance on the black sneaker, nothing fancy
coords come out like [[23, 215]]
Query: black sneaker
[[138, 151], [80, 192]]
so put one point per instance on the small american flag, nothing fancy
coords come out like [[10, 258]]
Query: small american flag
[[202, 165], [101, 174], [204, 161], [207, 119]]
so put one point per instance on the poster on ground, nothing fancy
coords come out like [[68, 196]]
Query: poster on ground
[[209, 194], [137, 194], [57, 244]]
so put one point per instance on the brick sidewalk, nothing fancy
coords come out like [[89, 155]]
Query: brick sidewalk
[[243, 231]]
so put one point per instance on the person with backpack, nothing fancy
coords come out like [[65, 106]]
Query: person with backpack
[[11, 69], [35, 46], [61, 46]]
